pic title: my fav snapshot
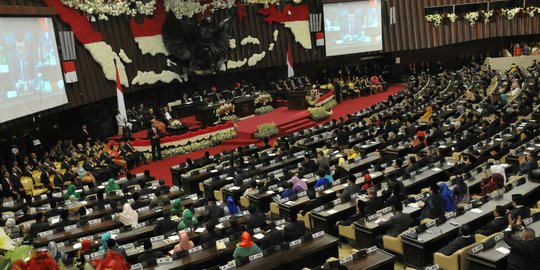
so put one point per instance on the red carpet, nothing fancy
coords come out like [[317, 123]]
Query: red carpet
[[161, 169]]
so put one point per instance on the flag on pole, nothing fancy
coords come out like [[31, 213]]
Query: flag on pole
[[120, 94], [290, 68]]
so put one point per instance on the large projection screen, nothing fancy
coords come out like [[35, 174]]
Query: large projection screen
[[30, 75], [352, 27]]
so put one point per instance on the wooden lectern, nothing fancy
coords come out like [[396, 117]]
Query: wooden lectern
[[297, 100]]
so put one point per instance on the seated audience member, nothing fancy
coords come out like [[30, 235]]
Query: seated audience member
[[128, 217], [271, 238], [212, 235], [79, 261], [461, 191], [149, 253], [354, 217], [184, 244], [368, 182], [519, 210], [411, 166], [523, 251], [527, 164], [64, 220], [322, 161], [434, 205], [232, 207], [464, 239], [158, 200], [298, 186], [351, 187], [352, 154], [312, 203], [497, 224], [104, 238], [448, 197], [373, 204], [111, 186], [395, 193], [251, 189], [113, 246], [234, 228], [396, 224], [246, 247], [71, 191], [308, 165], [257, 219], [137, 202], [165, 225], [323, 180], [213, 211], [294, 229], [52, 251], [490, 184], [342, 169], [40, 225], [188, 220], [176, 208]]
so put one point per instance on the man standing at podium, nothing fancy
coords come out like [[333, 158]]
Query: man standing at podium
[[154, 134]]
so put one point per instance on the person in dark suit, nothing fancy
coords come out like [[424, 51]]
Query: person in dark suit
[[294, 229], [212, 235], [213, 211], [271, 238], [523, 252], [422, 160], [154, 135], [257, 219], [519, 210], [138, 203], [434, 206], [395, 193], [9, 189], [460, 242], [165, 225], [40, 225], [373, 204], [396, 224], [113, 246], [312, 203], [351, 188], [308, 165], [84, 135], [497, 224], [352, 218], [527, 164], [149, 253], [342, 138], [235, 228]]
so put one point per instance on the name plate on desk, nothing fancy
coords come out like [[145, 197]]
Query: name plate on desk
[[433, 267], [318, 209], [230, 265], [423, 169], [346, 259], [228, 185], [127, 246], [386, 210], [90, 237], [198, 209], [255, 256], [208, 181], [57, 195], [355, 195], [195, 249], [257, 230], [157, 238], [336, 201], [319, 188], [372, 217], [514, 184], [139, 225], [45, 233], [130, 200], [136, 266], [97, 254], [303, 193], [431, 223], [317, 234], [283, 200], [224, 240], [371, 249], [400, 178], [8, 204], [164, 260], [527, 221], [280, 222], [225, 218], [143, 209], [477, 249], [450, 215], [8, 215], [61, 244], [499, 237], [94, 221], [419, 197], [467, 207], [43, 196], [295, 243], [174, 189], [70, 227], [413, 173], [258, 166]]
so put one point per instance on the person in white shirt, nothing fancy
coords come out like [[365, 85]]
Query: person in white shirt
[[122, 122]]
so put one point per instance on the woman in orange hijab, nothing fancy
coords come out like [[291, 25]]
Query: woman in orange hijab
[[80, 260], [420, 138], [246, 247], [429, 111]]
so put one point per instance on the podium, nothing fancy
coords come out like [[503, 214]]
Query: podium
[[296, 100]]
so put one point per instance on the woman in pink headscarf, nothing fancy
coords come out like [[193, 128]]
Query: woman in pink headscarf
[[298, 186], [185, 243]]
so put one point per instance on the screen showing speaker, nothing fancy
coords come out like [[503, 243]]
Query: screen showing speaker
[[30, 73], [352, 27]]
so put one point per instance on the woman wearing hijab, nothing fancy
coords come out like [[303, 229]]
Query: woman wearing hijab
[[52, 251], [448, 197], [232, 206], [188, 221], [176, 209], [184, 244], [74, 204], [129, 217], [71, 191], [429, 111], [461, 191], [342, 169], [111, 186], [420, 139], [352, 154], [79, 261], [246, 247], [490, 184], [368, 183], [298, 186], [104, 238]]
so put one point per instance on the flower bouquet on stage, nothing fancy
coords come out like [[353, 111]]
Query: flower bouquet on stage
[[263, 103], [225, 112]]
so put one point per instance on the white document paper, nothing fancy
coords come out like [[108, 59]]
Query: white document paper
[[477, 210], [503, 250], [199, 230]]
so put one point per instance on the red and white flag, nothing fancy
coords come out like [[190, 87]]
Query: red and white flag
[[290, 68], [120, 94], [70, 74]]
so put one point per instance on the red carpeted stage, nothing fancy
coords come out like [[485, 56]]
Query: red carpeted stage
[[288, 121]]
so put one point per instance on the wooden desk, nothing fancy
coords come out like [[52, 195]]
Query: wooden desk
[[326, 219], [296, 100], [380, 260]]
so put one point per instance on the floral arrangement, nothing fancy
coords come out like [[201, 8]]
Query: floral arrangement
[[263, 109], [188, 8], [485, 16], [262, 103], [313, 96], [225, 112], [175, 123], [263, 2], [266, 130], [319, 113], [105, 8]]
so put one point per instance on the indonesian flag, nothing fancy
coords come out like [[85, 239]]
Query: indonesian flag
[[120, 94], [319, 38], [290, 68], [70, 74]]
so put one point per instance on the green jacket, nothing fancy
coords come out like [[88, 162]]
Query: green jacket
[[245, 252]]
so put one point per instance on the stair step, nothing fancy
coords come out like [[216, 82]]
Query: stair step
[[297, 128], [295, 123]]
